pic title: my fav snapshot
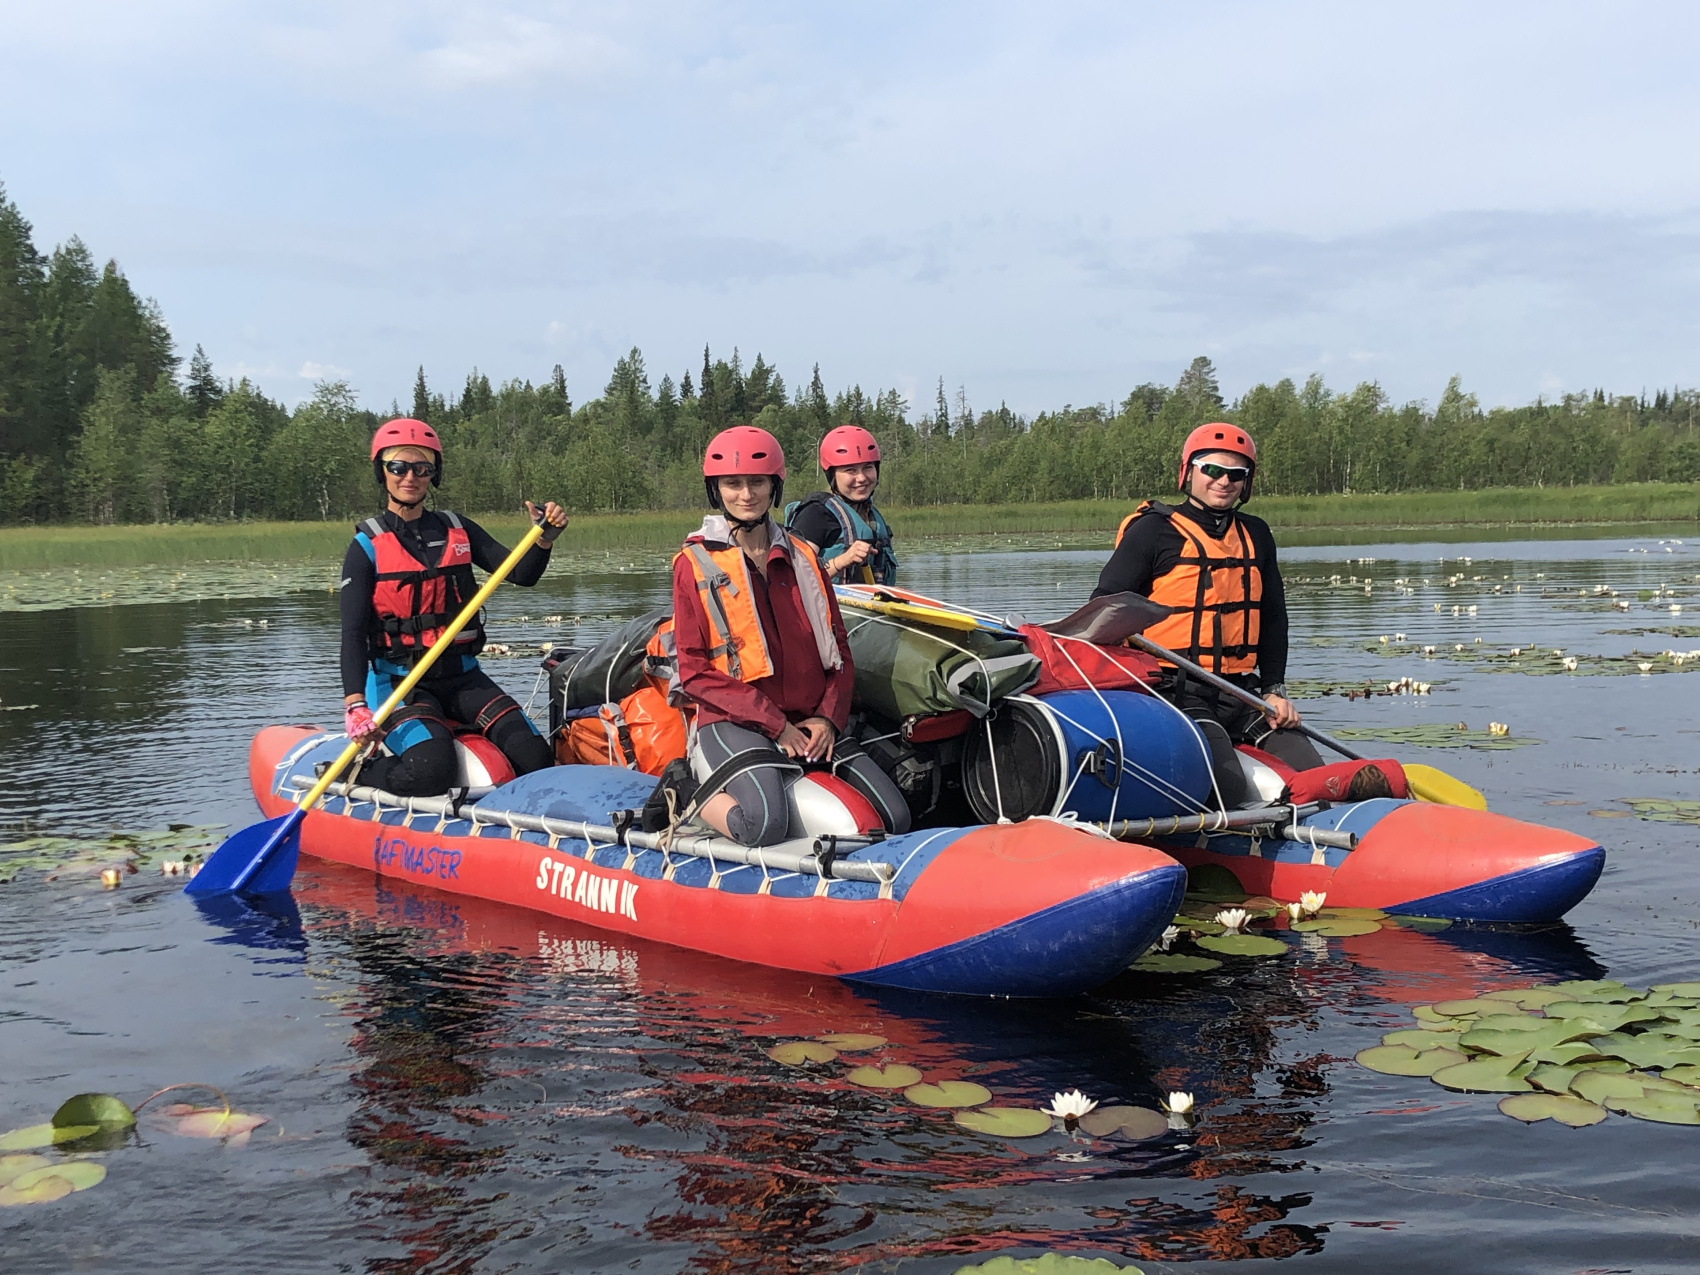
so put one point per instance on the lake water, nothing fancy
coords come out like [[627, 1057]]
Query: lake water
[[454, 1087]]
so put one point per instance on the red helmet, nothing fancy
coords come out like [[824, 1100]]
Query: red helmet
[[743, 449], [1218, 436], [848, 445], [404, 431]]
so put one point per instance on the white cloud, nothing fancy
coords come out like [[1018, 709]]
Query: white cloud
[[311, 371]]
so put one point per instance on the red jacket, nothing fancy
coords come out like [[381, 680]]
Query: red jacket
[[798, 687]]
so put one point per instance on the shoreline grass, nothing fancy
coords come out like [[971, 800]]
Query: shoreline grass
[[27, 548]]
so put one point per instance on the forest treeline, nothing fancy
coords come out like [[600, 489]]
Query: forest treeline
[[101, 421]]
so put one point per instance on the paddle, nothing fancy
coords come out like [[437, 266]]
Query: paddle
[[935, 616], [260, 859], [1425, 782]]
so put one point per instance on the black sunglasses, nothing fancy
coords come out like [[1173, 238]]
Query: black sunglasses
[[418, 468], [1213, 471]]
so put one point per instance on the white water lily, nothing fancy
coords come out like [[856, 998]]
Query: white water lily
[[172, 867], [1570, 663], [1311, 901], [1170, 934], [110, 877], [1069, 1107], [1231, 918], [1295, 911], [1645, 668], [1178, 1104]]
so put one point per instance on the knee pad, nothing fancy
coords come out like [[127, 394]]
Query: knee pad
[[501, 709]]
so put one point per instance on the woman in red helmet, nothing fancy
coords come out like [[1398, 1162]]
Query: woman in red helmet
[[1216, 566], [405, 577], [762, 652], [841, 524]]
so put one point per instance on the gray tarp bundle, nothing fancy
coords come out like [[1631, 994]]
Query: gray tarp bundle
[[904, 668], [610, 670]]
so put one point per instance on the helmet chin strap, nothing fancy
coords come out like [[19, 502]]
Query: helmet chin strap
[[746, 524], [405, 504]]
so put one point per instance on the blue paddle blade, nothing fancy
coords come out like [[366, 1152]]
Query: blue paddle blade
[[259, 859]]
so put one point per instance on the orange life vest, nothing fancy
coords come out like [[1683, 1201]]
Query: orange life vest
[[414, 601], [1216, 589], [723, 583]]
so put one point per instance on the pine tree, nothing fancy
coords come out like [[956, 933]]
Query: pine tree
[[687, 391], [941, 413], [820, 410], [709, 409], [22, 277], [421, 397], [740, 392], [558, 387], [1198, 387], [203, 389]]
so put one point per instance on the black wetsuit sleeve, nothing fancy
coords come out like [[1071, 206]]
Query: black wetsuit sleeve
[[815, 523], [358, 580], [1272, 635], [489, 553], [1136, 561]]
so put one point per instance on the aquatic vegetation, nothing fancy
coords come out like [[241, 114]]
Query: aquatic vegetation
[[117, 853], [1231, 918], [1174, 963], [1237, 944], [1005, 1122], [851, 1042], [1049, 1264], [948, 1093], [1069, 1107], [894, 1076], [1570, 1052], [1436, 735], [794, 1053], [1663, 809]]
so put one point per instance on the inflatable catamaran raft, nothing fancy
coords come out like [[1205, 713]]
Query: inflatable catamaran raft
[[1058, 803]]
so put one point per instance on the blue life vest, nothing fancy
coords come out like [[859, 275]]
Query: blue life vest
[[882, 562]]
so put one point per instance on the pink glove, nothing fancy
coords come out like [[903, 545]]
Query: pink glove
[[357, 721]]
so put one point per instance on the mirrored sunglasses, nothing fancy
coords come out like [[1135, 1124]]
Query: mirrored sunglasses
[[418, 468], [1213, 471]]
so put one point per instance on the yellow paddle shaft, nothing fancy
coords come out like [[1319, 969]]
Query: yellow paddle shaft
[[447, 636], [912, 611]]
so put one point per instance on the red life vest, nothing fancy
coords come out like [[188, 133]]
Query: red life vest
[[413, 602]]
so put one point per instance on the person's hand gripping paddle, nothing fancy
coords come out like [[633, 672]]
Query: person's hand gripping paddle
[[260, 859]]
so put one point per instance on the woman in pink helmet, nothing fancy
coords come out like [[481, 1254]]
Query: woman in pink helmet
[[841, 524], [762, 653], [405, 577]]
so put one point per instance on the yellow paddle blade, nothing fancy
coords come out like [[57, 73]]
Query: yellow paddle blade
[[1428, 784], [909, 611]]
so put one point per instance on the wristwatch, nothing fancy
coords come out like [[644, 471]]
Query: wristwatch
[[1279, 688]]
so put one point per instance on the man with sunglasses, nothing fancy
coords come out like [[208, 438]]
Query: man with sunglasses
[[1216, 567], [405, 577]]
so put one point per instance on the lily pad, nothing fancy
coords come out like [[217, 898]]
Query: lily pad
[[1351, 914], [1425, 1015], [1683, 1075], [1048, 1264], [1602, 1087], [1660, 1107], [1678, 989], [1552, 1077], [1242, 944], [794, 1053], [45, 1135], [896, 1076], [1487, 1075], [1401, 1060], [213, 1122], [13, 1165], [1528, 997], [1647, 1051], [1596, 989], [99, 1109], [1421, 1038], [51, 1182], [948, 1093], [1564, 1108], [851, 1042], [1498, 1040], [1607, 1017], [1174, 963], [1329, 928], [1465, 1008], [1425, 924], [1006, 1122], [1137, 1123]]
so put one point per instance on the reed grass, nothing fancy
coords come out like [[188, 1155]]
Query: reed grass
[[25, 548]]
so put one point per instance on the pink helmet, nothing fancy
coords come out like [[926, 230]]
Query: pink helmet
[[743, 449], [1218, 436], [848, 445], [404, 431]]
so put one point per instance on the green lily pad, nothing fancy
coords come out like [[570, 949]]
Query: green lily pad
[[1660, 1107], [896, 1076], [1341, 929], [52, 1182], [1664, 810], [1212, 883], [1425, 1015], [1552, 1077], [1049, 1264], [1498, 1040], [1678, 989], [1401, 1060], [948, 1093], [851, 1042], [1487, 1075], [1174, 963], [1683, 1075], [1608, 989], [100, 1109], [1604, 1015], [1242, 944], [1136, 1123], [1565, 1054], [1564, 1108], [1527, 998], [1465, 1008], [1647, 1051], [1421, 1038], [45, 1135], [1351, 914], [1603, 1087], [1006, 1122], [794, 1053], [13, 1165]]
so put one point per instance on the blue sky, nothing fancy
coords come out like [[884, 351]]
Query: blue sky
[[1043, 203]]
